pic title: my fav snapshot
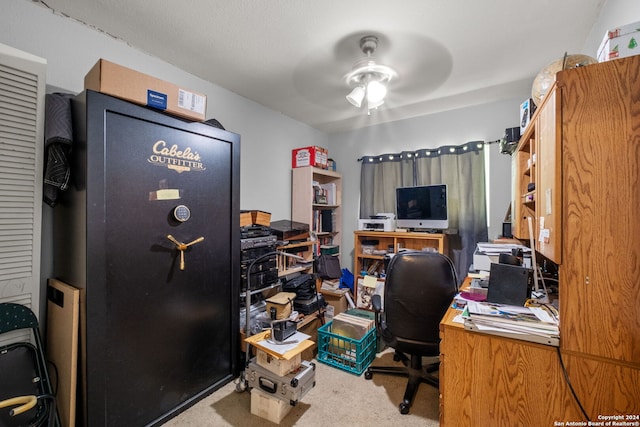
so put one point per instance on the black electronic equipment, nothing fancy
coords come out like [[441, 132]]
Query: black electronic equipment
[[251, 231], [283, 329], [304, 286], [258, 242], [509, 284], [264, 272], [310, 305], [512, 134], [506, 230], [290, 230]]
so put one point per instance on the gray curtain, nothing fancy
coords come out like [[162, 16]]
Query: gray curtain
[[461, 167]]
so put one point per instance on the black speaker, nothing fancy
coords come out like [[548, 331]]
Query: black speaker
[[512, 134], [506, 230], [508, 284]]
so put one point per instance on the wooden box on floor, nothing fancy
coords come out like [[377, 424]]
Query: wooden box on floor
[[268, 407], [276, 365]]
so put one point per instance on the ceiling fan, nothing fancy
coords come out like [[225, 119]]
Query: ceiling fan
[[368, 78]]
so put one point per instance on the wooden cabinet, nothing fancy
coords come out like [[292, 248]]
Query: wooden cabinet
[[537, 190], [486, 380], [368, 256], [600, 271], [323, 216], [586, 139]]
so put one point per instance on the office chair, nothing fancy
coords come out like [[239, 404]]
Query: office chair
[[26, 394], [418, 290]]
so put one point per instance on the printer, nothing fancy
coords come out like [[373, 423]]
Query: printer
[[378, 222]]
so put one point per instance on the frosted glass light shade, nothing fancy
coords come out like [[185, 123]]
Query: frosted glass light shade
[[376, 92], [356, 96]]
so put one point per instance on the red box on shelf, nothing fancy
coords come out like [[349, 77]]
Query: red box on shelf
[[310, 156]]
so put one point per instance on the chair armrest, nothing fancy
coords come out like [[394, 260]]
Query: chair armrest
[[376, 302]]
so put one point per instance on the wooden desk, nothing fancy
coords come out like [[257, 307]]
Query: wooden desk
[[487, 380]]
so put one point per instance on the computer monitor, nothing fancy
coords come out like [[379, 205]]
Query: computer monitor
[[422, 207]]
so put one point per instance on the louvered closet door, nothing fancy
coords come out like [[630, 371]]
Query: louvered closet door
[[22, 90]]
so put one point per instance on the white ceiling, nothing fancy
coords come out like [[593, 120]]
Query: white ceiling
[[292, 55]]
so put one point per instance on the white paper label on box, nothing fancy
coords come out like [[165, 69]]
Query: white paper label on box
[[191, 101]]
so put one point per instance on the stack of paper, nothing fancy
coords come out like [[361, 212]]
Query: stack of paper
[[487, 253], [529, 323]]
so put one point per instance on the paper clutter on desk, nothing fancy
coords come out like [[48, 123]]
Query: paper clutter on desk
[[461, 299]]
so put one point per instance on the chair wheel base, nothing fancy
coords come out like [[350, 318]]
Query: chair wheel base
[[368, 375], [404, 408]]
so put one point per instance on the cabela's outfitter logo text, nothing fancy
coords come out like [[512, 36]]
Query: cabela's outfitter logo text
[[173, 158]]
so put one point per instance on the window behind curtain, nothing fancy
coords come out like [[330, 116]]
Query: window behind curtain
[[461, 167]]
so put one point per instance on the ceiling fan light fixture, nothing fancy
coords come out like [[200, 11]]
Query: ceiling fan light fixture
[[373, 106], [369, 78], [376, 92], [356, 96]]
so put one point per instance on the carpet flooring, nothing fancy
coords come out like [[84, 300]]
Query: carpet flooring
[[339, 399]]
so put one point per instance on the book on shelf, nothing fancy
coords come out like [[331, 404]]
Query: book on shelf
[[330, 190], [329, 249], [373, 268], [327, 221], [320, 196]]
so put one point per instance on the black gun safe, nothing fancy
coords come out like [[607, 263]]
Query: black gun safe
[[149, 232]]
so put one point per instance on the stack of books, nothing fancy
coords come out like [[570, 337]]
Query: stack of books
[[537, 324]]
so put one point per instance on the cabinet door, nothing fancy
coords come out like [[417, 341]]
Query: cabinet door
[[548, 184], [599, 292]]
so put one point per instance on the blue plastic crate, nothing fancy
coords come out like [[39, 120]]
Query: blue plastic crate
[[348, 354]]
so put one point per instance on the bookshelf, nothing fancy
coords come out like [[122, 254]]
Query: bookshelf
[[316, 196], [288, 265], [370, 247]]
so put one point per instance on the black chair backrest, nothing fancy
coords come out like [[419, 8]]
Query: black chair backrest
[[419, 288], [16, 316]]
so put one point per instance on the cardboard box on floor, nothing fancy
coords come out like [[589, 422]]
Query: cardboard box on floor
[[336, 299], [269, 407], [122, 82]]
